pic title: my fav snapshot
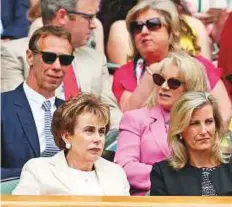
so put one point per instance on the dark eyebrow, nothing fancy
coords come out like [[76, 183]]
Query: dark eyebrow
[[211, 118], [193, 120], [205, 119], [90, 126]]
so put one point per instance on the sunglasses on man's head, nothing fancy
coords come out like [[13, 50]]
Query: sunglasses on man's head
[[151, 24], [50, 57], [173, 83]]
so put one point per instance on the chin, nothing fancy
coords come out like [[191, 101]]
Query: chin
[[205, 147], [79, 44], [165, 106], [93, 158]]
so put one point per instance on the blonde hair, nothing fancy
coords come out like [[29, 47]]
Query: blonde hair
[[191, 73], [180, 117], [171, 17]]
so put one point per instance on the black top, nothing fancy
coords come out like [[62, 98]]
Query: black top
[[188, 181]]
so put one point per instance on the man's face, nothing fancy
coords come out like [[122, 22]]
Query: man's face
[[81, 26], [46, 77]]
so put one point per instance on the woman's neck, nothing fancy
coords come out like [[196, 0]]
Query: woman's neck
[[203, 159], [151, 58], [74, 161]]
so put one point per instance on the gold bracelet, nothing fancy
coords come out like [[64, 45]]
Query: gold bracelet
[[149, 71]]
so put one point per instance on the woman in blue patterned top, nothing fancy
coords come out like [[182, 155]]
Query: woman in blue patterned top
[[196, 166]]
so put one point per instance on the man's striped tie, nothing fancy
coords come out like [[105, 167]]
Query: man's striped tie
[[50, 146]]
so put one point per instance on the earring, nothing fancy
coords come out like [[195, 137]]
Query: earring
[[67, 145], [180, 137]]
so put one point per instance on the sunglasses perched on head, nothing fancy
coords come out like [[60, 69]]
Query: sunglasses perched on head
[[151, 24], [173, 83], [50, 57]]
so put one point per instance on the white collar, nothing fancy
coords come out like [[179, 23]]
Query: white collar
[[36, 97]]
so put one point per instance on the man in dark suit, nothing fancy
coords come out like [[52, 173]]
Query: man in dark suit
[[88, 72], [25, 122]]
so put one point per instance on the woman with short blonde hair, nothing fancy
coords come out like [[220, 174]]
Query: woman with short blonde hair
[[142, 139], [170, 20], [194, 79]]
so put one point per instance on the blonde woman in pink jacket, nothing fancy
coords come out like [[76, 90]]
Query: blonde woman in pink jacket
[[143, 132]]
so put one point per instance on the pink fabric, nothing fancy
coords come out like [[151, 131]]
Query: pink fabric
[[212, 72], [124, 78], [225, 54], [142, 142]]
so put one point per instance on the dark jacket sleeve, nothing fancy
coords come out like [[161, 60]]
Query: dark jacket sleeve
[[157, 181], [17, 25], [10, 173]]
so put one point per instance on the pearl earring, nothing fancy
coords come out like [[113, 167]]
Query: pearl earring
[[180, 137], [68, 145]]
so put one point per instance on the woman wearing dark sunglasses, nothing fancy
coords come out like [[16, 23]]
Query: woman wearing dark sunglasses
[[154, 29], [142, 139]]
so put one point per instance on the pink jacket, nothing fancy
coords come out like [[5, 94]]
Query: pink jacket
[[142, 142]]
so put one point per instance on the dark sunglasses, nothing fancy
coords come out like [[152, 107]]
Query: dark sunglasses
[[89, 17], [173, 83], [50, 57], [152, 24]]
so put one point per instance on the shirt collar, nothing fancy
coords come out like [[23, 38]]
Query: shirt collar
[[36, 97]]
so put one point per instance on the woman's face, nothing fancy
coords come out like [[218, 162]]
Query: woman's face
[[89, 137], [165, 96], [152, 43], [200, 134]]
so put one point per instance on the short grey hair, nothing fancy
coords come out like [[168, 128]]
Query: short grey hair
[[50, 7]]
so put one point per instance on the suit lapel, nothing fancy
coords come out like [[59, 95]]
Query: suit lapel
[[105, 184], [81, 70], [58, 102], [157, 127], [60, 170], [27, 121]]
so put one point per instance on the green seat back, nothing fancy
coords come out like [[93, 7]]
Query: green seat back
[[8, 186]]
